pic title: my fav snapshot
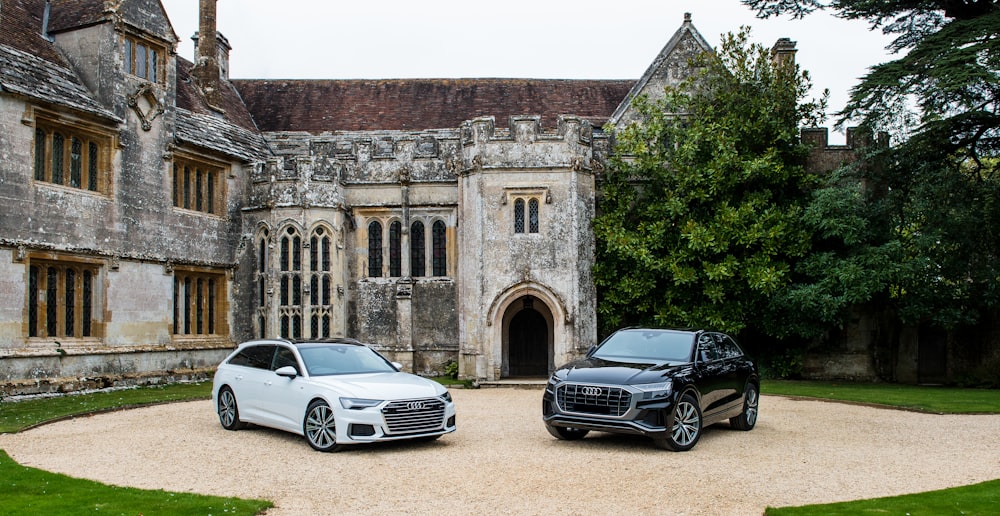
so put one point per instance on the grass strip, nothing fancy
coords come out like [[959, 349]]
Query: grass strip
[[27, 490], [977, 499], [16, 416], [932, 399]]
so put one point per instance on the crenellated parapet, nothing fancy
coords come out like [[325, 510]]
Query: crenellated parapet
[[524, 145], [825, 157], [313, 170]]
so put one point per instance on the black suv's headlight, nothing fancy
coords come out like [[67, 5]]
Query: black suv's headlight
[[654, 391]]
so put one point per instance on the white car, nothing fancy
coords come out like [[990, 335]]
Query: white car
[[332, 392]]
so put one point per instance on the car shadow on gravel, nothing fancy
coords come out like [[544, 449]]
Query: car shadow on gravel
[[628, 442], [290, 439]]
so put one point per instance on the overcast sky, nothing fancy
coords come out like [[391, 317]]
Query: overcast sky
[[541, 39]]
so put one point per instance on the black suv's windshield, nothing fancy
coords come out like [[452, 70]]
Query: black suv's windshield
[[326, 359], [657, 345]]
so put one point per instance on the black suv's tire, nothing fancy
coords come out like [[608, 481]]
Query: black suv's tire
[[685, 425], [565, 433], [748, 418]]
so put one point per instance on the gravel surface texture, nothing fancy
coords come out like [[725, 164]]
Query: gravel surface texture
[[501, 460]]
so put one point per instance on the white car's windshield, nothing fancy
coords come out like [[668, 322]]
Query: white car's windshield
[[327, 359], [656, 345]]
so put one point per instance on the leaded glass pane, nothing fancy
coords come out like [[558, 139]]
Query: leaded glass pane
[[75, 162], [210, 191], [519, 216], [326, 253], [440, 249], [51, 301], [417, 267], [395, 253], [375, 250], [533, 216], [33, 286], [198, 195], [92, 155], [40, 137], [58, 150], [296, 252], [70, 308]]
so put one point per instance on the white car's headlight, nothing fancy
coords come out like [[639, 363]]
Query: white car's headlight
[[652, 391], [446, 397], [358, 403]]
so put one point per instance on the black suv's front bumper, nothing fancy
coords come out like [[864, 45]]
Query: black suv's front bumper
[[648, 419]]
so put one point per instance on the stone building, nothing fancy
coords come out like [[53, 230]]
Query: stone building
[[156, 211]]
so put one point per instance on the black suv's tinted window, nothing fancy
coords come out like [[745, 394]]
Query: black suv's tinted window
[[254, 356], [728, 347], [708, 350]]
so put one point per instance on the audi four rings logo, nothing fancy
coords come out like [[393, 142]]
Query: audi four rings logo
[[590, 391], [416, 405]]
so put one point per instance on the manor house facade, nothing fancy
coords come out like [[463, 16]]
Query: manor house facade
[[157, 212]]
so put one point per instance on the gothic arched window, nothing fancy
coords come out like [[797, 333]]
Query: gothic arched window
[[519, 216], [533, 216], [375, 249], [395, 251], [290, 291], [417, 239], [440, 249], [320, 284]]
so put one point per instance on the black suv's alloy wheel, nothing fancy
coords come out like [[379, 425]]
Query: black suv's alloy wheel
[[685, 426]]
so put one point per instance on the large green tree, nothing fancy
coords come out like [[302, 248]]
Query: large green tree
[[918, 233], [699, 219]]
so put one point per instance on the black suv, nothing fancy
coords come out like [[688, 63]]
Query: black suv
[[664, 384]]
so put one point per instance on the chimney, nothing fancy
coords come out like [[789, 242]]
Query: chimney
[[222, 55], [783, 51], [206, 67]]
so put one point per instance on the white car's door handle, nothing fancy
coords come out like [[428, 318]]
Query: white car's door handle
[[239, 377]]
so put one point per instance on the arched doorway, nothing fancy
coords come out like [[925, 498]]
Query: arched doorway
[[528, 338]]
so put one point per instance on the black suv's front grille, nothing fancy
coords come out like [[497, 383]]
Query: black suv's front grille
[[414, 416], [593, 399]]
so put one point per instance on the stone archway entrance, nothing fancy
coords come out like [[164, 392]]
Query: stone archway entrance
[[528, 338]]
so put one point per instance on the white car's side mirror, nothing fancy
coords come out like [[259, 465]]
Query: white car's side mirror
[[397, 365], [286, 371]]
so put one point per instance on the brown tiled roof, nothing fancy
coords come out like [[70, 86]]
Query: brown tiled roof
[[317, 106], [21, 28], [230, 131], [31, 66], [71, 14], [190, 98], [147, 15]]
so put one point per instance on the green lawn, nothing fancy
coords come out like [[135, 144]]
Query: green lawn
[[19, 415], [937, 400], [975, 500], [27, 490]]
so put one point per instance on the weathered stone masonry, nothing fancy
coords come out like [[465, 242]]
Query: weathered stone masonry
[[157, 212]]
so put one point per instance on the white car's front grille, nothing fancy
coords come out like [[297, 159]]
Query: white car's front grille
[[414, 416]]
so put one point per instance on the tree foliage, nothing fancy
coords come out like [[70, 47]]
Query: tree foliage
[[917, 233], [699, 221]]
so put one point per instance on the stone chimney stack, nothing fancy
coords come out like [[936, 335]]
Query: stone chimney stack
[[206, 67], [784, 51]]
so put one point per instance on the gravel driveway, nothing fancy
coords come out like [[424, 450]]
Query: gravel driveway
[[501, 460]]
